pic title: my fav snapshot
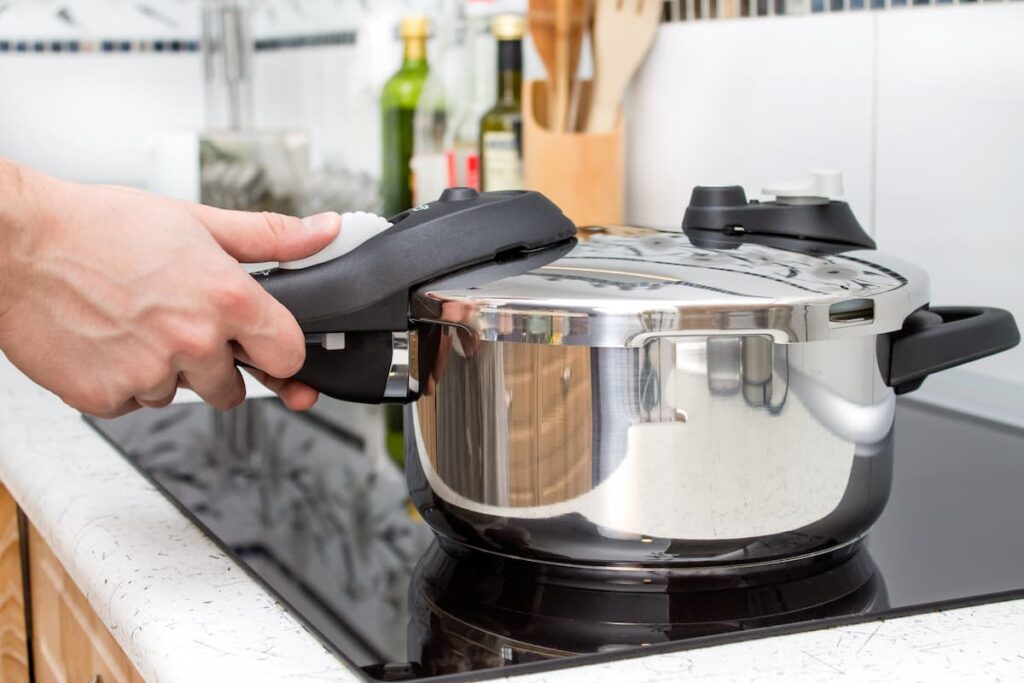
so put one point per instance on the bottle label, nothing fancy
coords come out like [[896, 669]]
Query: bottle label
[[503, 162]]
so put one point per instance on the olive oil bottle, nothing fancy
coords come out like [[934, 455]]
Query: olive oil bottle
[[501, 128], [398, 107]]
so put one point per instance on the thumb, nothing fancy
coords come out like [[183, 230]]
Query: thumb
[[254, 237]]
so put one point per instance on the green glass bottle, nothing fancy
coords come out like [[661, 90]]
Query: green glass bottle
[[501, 128], [398, 107]]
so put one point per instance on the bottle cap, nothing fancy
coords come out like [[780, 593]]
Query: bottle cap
[[508, 27], [414, 27]]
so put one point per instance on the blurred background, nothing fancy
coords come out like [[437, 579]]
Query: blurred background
[[283, 104]]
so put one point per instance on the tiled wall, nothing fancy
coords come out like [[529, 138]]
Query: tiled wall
[[101, 80]]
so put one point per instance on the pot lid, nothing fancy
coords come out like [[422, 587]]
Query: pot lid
[[620, 286]]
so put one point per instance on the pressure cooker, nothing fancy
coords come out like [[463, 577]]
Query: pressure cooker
[[718, 396]]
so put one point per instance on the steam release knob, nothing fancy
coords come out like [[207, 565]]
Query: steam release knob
[[727, 195], [459, 194], [816, 188]]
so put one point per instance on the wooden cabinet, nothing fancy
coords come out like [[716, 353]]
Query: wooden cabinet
[[69, 643], [13, 641]]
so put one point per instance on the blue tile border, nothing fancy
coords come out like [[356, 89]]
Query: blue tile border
[[168, 45]]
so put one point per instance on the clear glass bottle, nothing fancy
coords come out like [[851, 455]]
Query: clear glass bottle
[[501, 128], [479, 90], [438, 101], [398, 106]]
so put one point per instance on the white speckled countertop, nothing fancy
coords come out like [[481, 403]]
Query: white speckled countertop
[[183, 611]]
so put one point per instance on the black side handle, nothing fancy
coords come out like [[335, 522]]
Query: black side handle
[[940, 338], [359, 373]]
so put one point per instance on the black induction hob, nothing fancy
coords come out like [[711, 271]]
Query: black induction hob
[[300, 503]]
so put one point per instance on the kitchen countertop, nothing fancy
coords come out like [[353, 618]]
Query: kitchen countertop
[[183, 611]]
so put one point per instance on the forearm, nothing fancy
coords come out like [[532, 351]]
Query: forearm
[[10, 200], [12, 180], [22, 222]]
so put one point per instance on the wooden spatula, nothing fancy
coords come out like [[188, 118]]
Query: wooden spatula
[[623, 33], [582, 12], [557, 27]]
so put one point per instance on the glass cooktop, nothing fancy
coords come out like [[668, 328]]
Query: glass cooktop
[[322, 519]]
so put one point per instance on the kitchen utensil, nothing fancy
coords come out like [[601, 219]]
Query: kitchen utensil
[[582, 13], [722, 396], [540, 17], [563, 50], [623, 33], [583, 173], [557, 27]]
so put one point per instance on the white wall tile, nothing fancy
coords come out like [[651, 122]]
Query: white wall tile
[[951, 155], [750, 102], [100, 19], [89, 117]]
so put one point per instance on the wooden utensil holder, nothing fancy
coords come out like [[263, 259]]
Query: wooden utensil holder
[[580, 172]]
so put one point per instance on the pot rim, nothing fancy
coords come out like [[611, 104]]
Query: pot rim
[[629, 285]]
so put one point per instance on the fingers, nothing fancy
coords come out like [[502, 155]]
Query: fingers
[[293, 393], [267, 333], [128, 406], [160, 395], [215, 378], [255, 237]]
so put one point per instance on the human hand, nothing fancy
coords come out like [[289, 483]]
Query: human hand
[[112, 298]]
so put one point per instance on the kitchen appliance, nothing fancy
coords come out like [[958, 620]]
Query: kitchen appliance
[[720, 397], [307, 511]]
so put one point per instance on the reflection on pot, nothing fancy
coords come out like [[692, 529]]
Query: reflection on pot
[[472, 610], [685, 450]]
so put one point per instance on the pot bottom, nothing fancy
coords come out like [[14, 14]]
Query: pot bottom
[[572, 540], [620, 574]]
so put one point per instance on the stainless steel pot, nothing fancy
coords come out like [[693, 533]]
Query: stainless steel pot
[[646, 401], [719, 396]]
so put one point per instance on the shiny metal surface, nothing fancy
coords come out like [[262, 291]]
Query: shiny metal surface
[[687, 450], [620, 286], [402, 380], [642, 401]]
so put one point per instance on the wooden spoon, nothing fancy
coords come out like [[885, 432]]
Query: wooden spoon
[[582, 12], [557, 27], [541, 20], [623, 33]]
